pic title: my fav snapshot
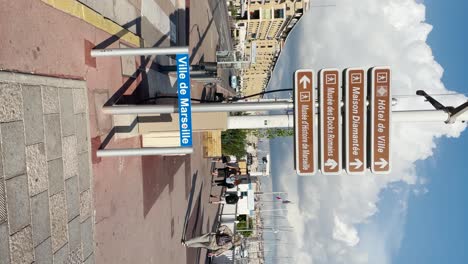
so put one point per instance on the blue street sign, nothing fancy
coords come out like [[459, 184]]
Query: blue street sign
[[185, 109]]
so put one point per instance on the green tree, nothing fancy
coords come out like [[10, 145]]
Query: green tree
[[271, 133], [234, 11], [242, 225], [234, 142]]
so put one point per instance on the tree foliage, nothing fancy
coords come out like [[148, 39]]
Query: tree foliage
[[242, 225], [273, 133], [234, 142], [234, 11]]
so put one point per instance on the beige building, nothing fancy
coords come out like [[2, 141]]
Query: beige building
[[265, 52], [267, 26]]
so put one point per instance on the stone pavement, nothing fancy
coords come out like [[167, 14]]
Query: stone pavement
[[143, 205], [45, 178], [156, 18]]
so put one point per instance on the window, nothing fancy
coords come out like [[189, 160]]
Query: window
[[255, 14], [279, 13], [266, 14]]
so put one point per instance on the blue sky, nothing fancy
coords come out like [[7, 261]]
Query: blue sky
[[436, 228], [370, 218]]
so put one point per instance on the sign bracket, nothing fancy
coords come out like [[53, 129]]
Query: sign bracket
[[452, 112]]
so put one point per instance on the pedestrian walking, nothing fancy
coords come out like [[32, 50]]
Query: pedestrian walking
[[226, 171], [218, 242], [229, 198], [230, 182]]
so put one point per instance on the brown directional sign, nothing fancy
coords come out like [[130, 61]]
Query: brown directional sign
[[381, 104], [330, 123], [304, 114], [355, 120]]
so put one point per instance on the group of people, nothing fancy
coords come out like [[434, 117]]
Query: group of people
[[230, 175], [223, 239]]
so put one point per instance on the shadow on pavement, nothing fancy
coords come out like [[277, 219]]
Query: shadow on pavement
[[139, 77], [203, 36], [194, 228], [158, 172], [189, 205], [106, 43]]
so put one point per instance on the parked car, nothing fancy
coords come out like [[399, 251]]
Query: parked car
[[233, 82]]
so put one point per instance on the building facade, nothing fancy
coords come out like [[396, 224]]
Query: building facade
[[266, 24]]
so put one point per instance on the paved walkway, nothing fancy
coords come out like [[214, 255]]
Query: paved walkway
[[142, 206], [45, 184]]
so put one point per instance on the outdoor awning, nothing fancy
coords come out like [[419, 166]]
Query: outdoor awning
[[250, 200]]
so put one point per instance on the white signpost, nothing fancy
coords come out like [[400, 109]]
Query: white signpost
[[361, 150], [304, 126], [355, 120], [330, 122], [380, 114]]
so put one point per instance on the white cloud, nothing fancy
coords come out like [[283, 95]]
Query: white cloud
[[345, 233], [332, 215]]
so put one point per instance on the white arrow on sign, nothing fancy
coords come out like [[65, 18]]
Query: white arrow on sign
[[304, 80], [331, 163], [357, 163], [382, 163]]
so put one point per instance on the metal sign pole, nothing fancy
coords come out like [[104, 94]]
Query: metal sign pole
[[196, 108], [143, 152], [139, 51], [287, 121]]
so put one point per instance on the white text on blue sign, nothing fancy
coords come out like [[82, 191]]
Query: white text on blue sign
[[185, 109]]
